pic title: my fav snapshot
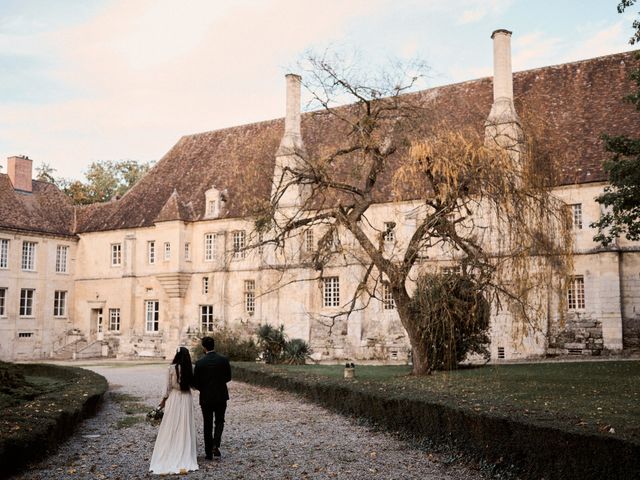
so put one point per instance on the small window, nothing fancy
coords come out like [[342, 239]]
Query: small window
[[250, 296], [26, 302], [576, 300], [331, 291], [25, 334], [152, 309], [209, 246], [187, 251], [60, 303], [151, 252], [4, 253], [167, 250], [213, 208], [576, 213], [206, 318], [61, 258], [309, 245], [260, 243], [116, 254], [387, 297], [205, 285], [389, 234], [114, 319], [451, 270], [501, 353], [29, 256], [3, 301], [238, 244]]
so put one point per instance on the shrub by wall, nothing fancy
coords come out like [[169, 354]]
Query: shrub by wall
[[533, 451], [39, 422]]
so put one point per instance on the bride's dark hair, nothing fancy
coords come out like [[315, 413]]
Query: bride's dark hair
[[184, 370]]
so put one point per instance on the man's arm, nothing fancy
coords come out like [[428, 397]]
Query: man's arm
[[227, 372], [196, 377]]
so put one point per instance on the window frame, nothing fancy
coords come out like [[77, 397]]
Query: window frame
[[4, 253], [250, 296], [209, 247], [154, 321], [239, 239], [576, 298], [60, 303], [167, 251], [388, 302], [309, 241], [116, 254], [151, 252], [577, 218], [205, 285], [27, 302], [28, 260], [331, 291], [62, 258], [187, 251], [3, 301], [114, 319], [389, 233], [206, 318]]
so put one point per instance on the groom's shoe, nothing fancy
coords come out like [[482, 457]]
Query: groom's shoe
[[216, 452], [208, 456]]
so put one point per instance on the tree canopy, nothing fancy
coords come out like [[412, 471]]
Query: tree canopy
[[475, 200], [104, 180]]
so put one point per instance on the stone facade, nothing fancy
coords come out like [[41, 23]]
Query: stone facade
[[169, 259]]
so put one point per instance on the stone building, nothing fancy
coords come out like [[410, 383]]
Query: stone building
[[168, 259]]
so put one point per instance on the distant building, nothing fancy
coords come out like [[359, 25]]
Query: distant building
[[137, 276]]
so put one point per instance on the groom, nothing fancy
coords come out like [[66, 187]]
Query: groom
[[210, 376]]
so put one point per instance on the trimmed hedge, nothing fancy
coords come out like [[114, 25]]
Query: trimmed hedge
[[34, 428], [533, 451]]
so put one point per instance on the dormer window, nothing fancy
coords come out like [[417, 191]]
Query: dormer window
[[214, 201]]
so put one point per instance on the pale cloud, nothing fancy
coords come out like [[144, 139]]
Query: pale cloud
[[151, 71], [476, 10], [534, 49], [608, 40]]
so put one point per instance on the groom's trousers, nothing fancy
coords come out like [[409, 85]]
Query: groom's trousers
[[212, 437]]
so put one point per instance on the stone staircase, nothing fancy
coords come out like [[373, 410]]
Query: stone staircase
[[80, 349]]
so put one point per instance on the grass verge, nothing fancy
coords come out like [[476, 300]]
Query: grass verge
[[41, 405], [569, 420]]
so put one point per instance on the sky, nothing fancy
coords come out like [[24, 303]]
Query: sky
[[92, 80]]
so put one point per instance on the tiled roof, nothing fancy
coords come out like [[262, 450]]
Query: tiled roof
[[46, 210], [573, 103]]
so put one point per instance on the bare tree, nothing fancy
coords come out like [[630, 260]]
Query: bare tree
[[480, 200]]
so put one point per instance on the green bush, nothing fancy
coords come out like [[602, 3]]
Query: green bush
[[230, 343], [271, 341], [276, 348], [296, 351], [453, 317]]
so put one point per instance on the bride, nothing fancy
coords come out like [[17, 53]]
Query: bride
[[175, 448]]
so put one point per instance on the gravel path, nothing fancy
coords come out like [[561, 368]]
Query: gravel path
[[268, 435]]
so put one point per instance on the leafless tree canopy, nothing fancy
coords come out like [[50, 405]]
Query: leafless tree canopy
[[481, 200]]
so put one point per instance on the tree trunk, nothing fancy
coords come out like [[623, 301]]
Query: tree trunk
[[418, 349]]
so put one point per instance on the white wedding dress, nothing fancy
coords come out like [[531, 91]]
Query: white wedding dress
[[175, 449]]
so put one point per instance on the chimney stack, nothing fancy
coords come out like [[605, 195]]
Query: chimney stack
[[502, 74], [19, 169], [292, 140]]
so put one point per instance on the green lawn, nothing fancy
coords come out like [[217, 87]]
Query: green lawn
[[588, 396]]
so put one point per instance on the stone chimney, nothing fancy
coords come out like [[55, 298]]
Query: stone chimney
[[291, 142], [19, 169], [502, 125]]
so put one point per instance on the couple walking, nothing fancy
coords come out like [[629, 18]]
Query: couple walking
[[175, 448]]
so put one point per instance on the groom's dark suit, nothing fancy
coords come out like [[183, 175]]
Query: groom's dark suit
[[211, 374]]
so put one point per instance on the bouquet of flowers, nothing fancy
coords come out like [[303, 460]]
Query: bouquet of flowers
[[155, 415]]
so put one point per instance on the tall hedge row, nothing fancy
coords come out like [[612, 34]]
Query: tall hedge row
[[533, 451]]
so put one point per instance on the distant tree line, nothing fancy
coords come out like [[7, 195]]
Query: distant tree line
[[104, 180]]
